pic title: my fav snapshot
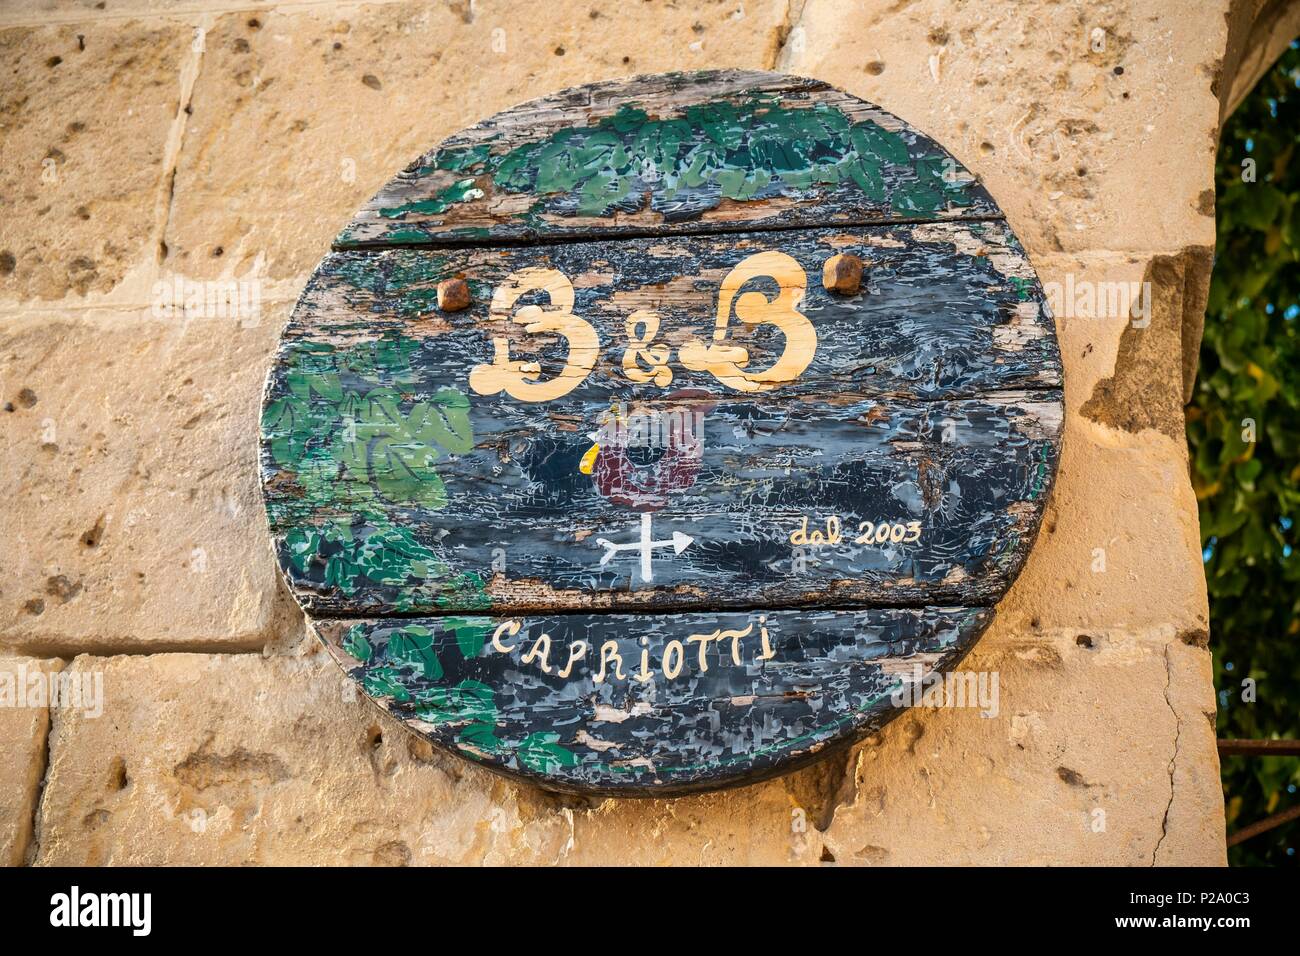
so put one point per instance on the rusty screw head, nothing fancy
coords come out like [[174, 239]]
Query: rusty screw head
[[453, 295], [842, 274]]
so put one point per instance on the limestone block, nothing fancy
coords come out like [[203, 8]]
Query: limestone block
[[1100, 754], [297, 121], [1122, 513], [86, 113], [1195, 814], [24, 722], [1119, 544], [133, 515], [33, 12], [1093, 127], [245, 759]]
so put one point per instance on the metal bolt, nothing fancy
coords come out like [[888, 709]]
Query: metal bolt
[[843, 274], [453, 295]]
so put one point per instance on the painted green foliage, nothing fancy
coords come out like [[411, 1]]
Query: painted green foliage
[[755, 149], [354, 445], [401, 664]]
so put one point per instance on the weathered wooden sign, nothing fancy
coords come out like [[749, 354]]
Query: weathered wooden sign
[[655, 435]]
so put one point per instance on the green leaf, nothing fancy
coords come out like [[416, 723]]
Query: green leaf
[[866, 173], [541, 753], [445, 422], [876, 142], [356, 644], [385, 682], [285, 423], [471, 633], [413, 645], [315, 382], [481, 736], [915, 198], [403, 472], [469, 701]]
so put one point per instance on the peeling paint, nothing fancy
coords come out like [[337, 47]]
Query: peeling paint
[[496, 516]]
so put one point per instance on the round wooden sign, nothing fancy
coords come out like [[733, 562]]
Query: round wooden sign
[[659, 434]]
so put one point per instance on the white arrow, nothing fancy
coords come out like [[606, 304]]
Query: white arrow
[[645, 544]]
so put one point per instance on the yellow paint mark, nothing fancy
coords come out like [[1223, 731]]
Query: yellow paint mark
[[519, 379], [727, 363], [642, 327]]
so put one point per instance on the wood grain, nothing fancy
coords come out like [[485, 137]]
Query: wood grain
[[831, 676], [661, 509], [671, 154], [946, 310], [524, 530]]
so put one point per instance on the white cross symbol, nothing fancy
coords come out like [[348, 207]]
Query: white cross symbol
[[679, 543]]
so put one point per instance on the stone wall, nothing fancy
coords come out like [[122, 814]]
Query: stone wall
[[146, 140]]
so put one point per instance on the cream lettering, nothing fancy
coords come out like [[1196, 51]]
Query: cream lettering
[[654, 657]]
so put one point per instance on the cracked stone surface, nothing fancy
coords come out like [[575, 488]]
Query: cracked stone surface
[[250, 760], [215, 142], [241, 759], [24, 723], [1033, 788]]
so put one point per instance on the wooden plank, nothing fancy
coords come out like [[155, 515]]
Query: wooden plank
[[630, 704], [946, 309], [783, 500], [671, 154], [654, 435]]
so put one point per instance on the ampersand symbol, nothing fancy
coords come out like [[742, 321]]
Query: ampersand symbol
[[642, 327]]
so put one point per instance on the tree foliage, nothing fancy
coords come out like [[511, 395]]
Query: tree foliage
[[1244, 431]]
